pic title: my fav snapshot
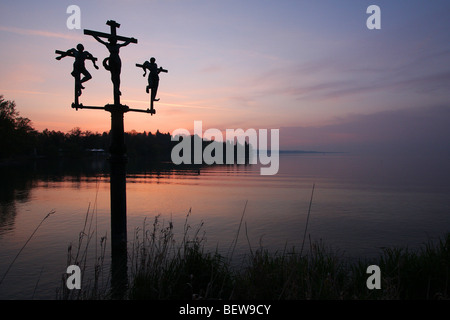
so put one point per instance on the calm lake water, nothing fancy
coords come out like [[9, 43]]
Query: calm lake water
[[360, 204]]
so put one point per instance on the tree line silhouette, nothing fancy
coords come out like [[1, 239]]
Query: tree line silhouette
[[18, 139]]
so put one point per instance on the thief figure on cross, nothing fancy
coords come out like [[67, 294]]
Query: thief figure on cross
[[79, 67], [153, 78]]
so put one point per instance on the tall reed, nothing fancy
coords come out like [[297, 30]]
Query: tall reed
[[25, 244], [165, 269], [96, 287], [167, 266]]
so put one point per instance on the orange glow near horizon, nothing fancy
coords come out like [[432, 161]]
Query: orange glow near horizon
[[231, 66]]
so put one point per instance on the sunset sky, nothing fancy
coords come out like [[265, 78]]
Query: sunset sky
[[309, 68]]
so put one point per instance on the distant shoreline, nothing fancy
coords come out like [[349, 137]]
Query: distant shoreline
[[307, 151], [24, 159]]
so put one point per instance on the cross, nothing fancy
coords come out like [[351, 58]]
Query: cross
[[78, 66], [118, 158], [153, 79], [113, 62]]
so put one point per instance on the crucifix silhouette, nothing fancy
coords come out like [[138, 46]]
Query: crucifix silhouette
[[118, 158], [113, 62], [153, 79], [78, 66]]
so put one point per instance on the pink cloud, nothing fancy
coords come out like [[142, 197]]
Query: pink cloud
[[42, 33]]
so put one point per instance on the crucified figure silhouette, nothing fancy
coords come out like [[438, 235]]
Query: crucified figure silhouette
[[79, 67], [113, 62], [153, 78]]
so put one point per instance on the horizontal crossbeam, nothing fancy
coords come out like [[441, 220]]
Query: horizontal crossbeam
[[108, 35], [65, 52], [141, 110], [160, 69], [80, 106], [111, 107]]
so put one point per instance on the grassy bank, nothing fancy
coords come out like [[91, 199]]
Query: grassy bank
[[319, 273], [164, 268]]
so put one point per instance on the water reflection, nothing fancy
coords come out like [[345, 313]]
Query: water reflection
[[20, 182], [15, 187], [360, 204], [296, 171]]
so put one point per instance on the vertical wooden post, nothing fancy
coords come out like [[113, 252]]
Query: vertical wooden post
[[118, 161], [77, 81]]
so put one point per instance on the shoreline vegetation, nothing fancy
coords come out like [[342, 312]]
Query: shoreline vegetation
[[163, 265], [21, 142]]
